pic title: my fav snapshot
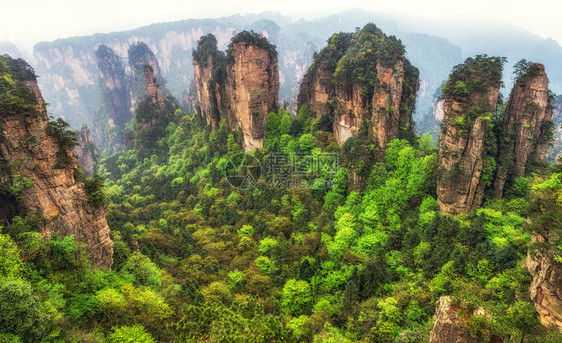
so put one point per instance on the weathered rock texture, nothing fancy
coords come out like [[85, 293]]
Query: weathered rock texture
[[153, 88], [527, 127], [252, 86], [470, 98], [86, 151], [140, 55], [244, 88], [363, 81], [448, 327], [115, 110], [205, 58], [32, 149], [546, 285], [152, 114]]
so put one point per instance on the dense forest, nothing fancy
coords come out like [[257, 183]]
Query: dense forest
[[295, 252]]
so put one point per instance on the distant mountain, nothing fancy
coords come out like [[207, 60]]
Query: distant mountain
[[69, 74]]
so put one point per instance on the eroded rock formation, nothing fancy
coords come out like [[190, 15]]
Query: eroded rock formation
[[252, 86], [115, 109], [450, 327], [86, 151], [205, 58], [470, 97], [38, 155], [527, 127], [546, 285], [244, 88], [153, 88], [364, 81], [140, 55]]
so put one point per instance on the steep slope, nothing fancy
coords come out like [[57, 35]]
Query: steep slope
[[152, 114], [115, 110], [86, 151], [546, 284], [140, 55], [252, 86], [363, 80], [241, 88], [526, 128], [205, 58], [465, 167], [37, 156]]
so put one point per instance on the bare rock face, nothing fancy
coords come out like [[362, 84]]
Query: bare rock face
[[253, 87], [115, 109], [205, 58], [448, 327], [364, 81], [140, 55], [153, 88], [243, 89], [317, 87], [34, 150], [527, 126], [114, 83], [86, 151], [546, 285], [470, 97]]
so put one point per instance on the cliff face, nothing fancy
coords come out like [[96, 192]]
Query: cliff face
[[88, 155], [140, 56], [252, 86], [152, 114], [39, 152], [205, 58], [448, 327], [546, 285], [115, 110], [242, 87], [317, 88], [364, 81], [526, 127], [470, 97], [153, 88]]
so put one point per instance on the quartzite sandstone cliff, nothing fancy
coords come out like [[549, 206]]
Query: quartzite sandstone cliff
[[470, 98], [244, 88], [32, 149], [365, 82], [115, 110], [546, 285], [86, 152], [526, 128], [450, 327]]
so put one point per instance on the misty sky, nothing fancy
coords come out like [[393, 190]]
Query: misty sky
[[26, 22]]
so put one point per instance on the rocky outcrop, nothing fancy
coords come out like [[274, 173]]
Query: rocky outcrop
[[252, 87], [450, 327], [243, 89], [140, 56], [153, 88], [205, 58], [86, 151], [115, 111], [114, 86], [152, 114], [526, 128], [465, 170], [364, 81], [38, 155], [546, 285]]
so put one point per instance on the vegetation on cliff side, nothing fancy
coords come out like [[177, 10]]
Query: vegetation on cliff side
[[296, 256]]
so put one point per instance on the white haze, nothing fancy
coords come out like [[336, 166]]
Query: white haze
[[26, 22]]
